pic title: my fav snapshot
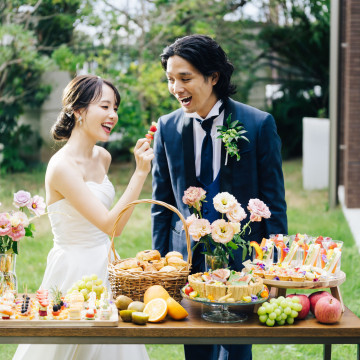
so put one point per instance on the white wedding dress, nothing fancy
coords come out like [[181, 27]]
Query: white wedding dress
[[79, 249]]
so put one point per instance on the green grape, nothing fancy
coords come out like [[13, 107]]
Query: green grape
[[281, 322], [278, 311], [297, 307], [273, 300], [284, 304], [272, 316], [279, 318], [93, 277], [270, 322], [261, 310], [295, 299], [287, 310], [263, 318], [290, 320], [284, 316], [294, 314]]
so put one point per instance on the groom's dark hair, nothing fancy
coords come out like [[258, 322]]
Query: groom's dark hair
[[207, 56]]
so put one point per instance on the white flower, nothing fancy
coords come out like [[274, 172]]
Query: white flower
[[224, 202]]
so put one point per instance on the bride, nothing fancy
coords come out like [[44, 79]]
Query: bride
[[79, 196]]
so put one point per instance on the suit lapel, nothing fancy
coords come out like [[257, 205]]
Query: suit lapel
[[188, 151], [226, 170]]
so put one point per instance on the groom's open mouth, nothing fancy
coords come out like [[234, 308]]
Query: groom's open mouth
[[185, 101]]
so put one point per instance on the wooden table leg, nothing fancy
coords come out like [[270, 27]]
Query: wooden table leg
[[281, 292], [335, 292], [327, 352]]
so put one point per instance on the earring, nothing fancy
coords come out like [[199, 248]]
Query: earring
[[80, 120]]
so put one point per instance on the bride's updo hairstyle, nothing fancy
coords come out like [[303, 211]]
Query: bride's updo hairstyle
[[79, 94]]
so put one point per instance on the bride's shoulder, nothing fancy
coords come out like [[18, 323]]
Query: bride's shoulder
[[59, 165], [104, 156]]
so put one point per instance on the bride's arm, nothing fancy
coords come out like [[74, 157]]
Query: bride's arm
[[65, 178]]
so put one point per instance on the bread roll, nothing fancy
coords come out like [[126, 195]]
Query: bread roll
[[137, 269], [127, 264], [173, 253], [176, 262], [158, 264], [167, 269], [148, 255]]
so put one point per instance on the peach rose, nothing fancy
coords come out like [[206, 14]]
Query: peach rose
[[199, 228], [222, 231], [236, 213]]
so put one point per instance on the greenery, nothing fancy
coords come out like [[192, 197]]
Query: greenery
[[307, 213], [298, 53]]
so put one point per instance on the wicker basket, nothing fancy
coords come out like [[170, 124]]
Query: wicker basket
[[134, 284]]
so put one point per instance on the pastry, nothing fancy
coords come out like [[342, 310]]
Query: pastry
[[176, 262], [168, 268], [148, 255], [158, 264], [233, 284], [75, 312], [127, 264], [173, 253]]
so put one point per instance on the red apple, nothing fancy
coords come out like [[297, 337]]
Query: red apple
[[328, 310], [314, 297], [305, 303]]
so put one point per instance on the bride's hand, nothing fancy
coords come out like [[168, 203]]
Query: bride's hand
[[143, 155]]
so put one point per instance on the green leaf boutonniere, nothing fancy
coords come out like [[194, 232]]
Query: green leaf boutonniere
[[230, 135]]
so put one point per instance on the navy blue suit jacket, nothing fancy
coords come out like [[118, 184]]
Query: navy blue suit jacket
[[258, 174]]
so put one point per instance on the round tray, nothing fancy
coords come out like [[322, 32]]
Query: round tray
[[219, 311], [328, 283]]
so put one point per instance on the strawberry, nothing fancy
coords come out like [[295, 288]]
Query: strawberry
[[149, 136], [153, 128]]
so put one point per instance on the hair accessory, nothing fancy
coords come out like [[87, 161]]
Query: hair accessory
[[80, 120]]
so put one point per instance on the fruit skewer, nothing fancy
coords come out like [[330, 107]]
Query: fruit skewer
[[151, 131]]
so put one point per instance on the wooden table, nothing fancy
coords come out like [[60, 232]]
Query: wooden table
[[194, 330]]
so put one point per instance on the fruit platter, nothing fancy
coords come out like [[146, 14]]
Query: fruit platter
[[222, 288], [79, 307]]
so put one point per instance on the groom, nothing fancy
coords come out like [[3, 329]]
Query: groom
[[188, 153]]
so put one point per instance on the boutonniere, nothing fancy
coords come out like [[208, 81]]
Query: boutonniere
[[230, 135]]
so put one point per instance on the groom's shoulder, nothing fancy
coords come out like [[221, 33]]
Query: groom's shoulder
[[172, 117]]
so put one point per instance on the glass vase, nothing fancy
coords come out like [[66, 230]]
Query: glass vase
[[213, 262], [8, 273]]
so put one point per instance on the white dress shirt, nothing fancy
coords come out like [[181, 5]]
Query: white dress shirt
[[199, 134]]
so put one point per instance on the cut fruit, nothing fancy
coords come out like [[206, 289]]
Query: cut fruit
[[175, 310], [155, 292], [259, 252], [156, 309], [222, 273]]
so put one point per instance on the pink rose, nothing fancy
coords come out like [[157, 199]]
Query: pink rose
[[199, 228], [5, 224], [258, 210], [222, 231], [193, 197], [21, 198], [236, 213], [37, 205], [17, 232]]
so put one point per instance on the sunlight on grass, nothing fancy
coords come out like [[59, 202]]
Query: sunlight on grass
[[307, 213]]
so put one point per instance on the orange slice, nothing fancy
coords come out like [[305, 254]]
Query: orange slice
[[156, 309], [155, 292], [175, 310]]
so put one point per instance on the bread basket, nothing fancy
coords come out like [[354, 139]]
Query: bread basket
[[134, 284]]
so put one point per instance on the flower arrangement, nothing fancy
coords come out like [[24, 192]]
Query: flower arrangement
[[230, 135], [14, 225], [222, 237]]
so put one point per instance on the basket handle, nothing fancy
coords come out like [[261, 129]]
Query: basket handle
[[150, 201]]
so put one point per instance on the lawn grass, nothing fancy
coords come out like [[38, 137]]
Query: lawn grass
[[307, 213]]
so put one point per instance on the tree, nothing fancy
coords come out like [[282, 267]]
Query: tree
[[299, 52], [25, 55]]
